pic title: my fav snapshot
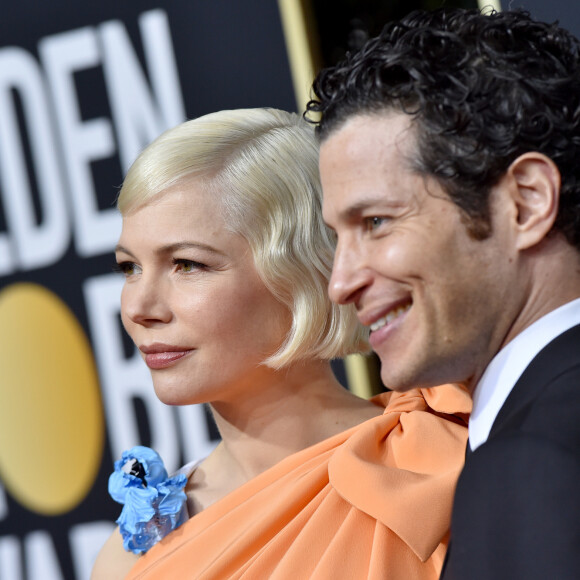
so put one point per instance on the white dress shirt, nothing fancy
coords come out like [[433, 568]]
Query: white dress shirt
[[508, 365]]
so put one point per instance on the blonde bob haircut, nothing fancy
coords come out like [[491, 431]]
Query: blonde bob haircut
[[262, 166]]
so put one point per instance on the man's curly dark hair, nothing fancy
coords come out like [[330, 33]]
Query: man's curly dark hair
[[482, 90]]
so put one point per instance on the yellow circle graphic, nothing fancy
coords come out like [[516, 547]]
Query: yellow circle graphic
[[51, 416]]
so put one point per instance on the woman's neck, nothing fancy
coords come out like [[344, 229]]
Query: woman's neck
[[299, 407]]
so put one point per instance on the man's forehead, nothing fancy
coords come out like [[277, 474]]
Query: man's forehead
[[361, 160], [388, 125]]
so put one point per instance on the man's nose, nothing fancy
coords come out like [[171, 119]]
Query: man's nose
[[349, 274]]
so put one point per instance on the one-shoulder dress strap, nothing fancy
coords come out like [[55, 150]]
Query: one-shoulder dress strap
[[189, 468]]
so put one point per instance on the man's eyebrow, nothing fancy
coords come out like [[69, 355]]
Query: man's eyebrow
[[356, 209], [352, 212], [377, 202]]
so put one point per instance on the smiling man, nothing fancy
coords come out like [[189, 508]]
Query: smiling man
[[449, 159]]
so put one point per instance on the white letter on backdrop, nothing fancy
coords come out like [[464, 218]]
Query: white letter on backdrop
[[41, 559], [35, 244], [141, 114], [96, 231]]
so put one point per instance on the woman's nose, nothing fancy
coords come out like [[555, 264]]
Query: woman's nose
[[145, 301]]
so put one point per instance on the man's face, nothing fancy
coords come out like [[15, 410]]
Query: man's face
[[438, 303]]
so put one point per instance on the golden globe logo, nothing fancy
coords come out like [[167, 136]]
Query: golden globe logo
[[51, 418]]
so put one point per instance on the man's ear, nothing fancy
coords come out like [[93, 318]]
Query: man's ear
[[535, 192]]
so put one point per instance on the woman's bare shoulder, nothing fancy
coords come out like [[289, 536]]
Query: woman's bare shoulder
[[113, 562]]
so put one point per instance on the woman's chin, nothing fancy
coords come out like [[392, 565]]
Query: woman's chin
[[175, 397]]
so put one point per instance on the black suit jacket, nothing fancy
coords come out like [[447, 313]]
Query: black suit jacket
[[516, 513]]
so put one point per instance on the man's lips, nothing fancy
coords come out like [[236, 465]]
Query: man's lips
[[159, 356], [381, 324], [389, 317]]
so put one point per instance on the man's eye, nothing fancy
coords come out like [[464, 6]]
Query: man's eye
[[374, 222]]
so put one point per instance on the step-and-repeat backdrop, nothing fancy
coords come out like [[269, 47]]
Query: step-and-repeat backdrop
[[566, 12], [83, 87]]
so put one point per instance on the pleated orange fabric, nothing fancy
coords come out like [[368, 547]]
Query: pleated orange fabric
[[372, 502]]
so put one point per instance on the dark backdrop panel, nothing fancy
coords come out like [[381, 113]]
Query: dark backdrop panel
[[567, 12], [83, 87]]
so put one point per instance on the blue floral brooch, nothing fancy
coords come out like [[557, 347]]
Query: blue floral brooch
[[153, 503]]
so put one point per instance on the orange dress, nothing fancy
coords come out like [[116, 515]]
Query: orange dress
[[372, 502]]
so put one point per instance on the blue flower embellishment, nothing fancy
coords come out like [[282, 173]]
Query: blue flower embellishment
[[153, 503]]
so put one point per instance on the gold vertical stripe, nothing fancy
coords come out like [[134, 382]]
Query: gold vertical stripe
[[358, 376], [495, 4], [302, 68]]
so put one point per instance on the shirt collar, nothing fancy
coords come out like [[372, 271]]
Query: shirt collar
[[504, 370]]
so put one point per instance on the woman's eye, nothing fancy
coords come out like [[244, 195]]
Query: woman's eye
[[126, 268], [187, 266]]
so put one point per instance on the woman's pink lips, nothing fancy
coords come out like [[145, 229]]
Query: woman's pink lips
[[161, 360]]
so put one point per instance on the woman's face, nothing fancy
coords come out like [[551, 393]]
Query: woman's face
[[193, 302]]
